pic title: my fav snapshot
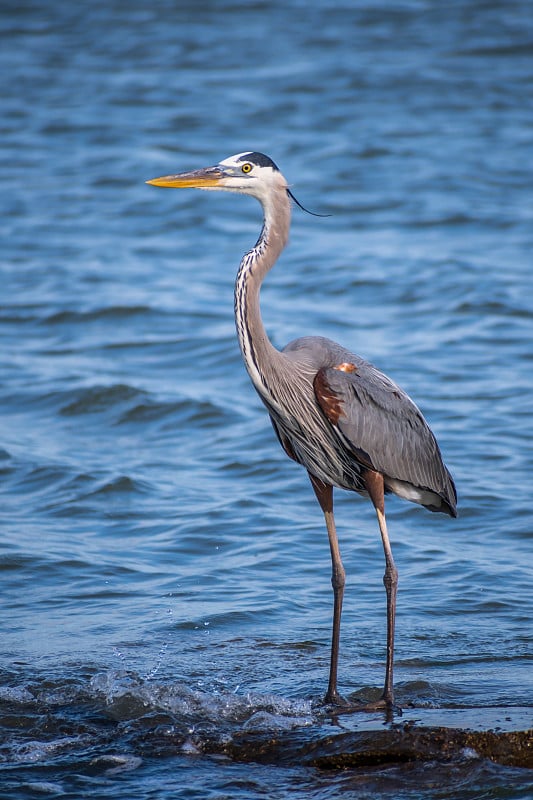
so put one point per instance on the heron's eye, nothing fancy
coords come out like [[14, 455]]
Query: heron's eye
[[246, 168]]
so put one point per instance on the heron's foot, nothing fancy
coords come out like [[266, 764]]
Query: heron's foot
[[335, 699], [339, 705], [383, 704]]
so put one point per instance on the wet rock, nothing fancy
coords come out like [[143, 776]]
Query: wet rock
[[372, 744], [434, 744]]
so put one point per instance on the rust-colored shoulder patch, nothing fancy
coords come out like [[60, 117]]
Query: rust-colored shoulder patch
[[326, 397], [346, 366]]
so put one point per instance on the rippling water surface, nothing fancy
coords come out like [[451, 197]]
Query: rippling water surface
[[164, 568]]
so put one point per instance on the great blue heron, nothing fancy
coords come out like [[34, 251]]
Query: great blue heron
[[345, 421]]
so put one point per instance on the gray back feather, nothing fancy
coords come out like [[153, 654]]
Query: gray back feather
[[378, 422]]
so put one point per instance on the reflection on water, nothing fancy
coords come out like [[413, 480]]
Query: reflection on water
[[150, 524]]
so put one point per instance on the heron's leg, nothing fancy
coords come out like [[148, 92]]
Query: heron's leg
[[324, 494], [375, 487]]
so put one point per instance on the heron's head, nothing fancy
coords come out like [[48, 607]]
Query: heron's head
[[248, 173]]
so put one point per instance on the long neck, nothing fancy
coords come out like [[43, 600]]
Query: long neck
[[260, 356]]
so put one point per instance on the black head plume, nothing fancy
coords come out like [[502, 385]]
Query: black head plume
[[313, 214]]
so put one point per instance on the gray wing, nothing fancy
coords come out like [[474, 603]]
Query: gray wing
[[379, 423]]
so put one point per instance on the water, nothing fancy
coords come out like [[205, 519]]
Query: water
[[165, 578]]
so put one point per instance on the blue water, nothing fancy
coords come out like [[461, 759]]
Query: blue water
[[164, 567]]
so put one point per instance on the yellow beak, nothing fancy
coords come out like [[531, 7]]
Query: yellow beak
[[198, 179]]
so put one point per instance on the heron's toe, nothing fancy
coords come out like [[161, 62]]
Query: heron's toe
[[389, 706]]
